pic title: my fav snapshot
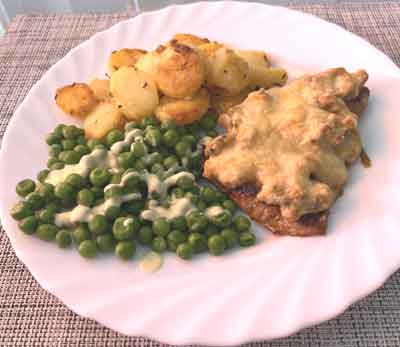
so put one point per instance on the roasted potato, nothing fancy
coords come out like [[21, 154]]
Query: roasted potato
[[259, 58], [221, 102], [189, 40], [183, 111], [226, 70], [264, 77], [179, 71], [100, 88], [135, 92], [124, 57], [103, 118], [76, 99], [148, 63]]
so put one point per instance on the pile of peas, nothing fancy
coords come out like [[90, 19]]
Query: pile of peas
[[169, 146]]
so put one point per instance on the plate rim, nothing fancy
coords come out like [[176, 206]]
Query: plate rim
[[294, 328]]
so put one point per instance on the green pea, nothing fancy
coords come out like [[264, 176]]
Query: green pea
[[21, 210], [71, 132], [161, 227], [153, 137], [63, 239], [145, 235], [42, 175], [212, 133], [211, 230], [216, 245], [157, 169], [52, 161], [134, 207], [230, 236], [99, 224], [57, 166], [53, 207], [81, 233], [46, 190], [69, 157], [149, 121], [130, 126], [46, 216], [68, 145], [114, 136], [106, 242], [125, 228], [112, 212], [170, 161], [247, 239], [116, 178], [125, 249], [126, 160], [85, 197], [98, 192], [46, 232], [53, 139], [179, 223], [80, 140], [185, 251], [196, 221], [88, 249], [172, 246], [241, 223], [113, 192], [35, 200], [139, 149], [182, 149], [208, 121], [25, 187], [154, 158], [186, 183], [195, 160], [198, 242], [99, 177], [58, 130], [64, 191], [223, 219], [81, 150], [193, 128], [168, 125], [163, 151], [159, 244], [178, 193], [209, 195], [55, 150], [201, 205], [92, 143], [177, 236], [139, 164], [132, 181], [75, 180], [193, 197], [190, 139], [28, 225], [171, 137], [229, 205]]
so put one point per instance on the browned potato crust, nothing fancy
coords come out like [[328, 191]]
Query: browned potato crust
[[100, 88], [183, 111], [124, 57], [104, 117], [221, 102], [180, 71], [76, 99], [189, 40]]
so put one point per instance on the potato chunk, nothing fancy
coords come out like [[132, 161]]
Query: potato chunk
[[222, 102], [179, 71], [124, 57], [259, 58], [135, 92], [104, 117], [189, 40], [76, 99], [183, 111], [100, 88]]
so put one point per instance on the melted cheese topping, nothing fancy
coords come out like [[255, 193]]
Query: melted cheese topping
[[291, 142]]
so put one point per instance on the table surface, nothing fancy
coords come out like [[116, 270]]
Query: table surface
[[29, 316]]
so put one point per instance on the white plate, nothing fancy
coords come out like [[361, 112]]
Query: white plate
[[271, 290]]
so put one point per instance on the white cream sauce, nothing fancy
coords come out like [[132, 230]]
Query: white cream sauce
[[151, 262], [213, 211], [179, 207]]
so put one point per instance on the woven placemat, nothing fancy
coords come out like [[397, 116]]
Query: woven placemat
[[29, 316]]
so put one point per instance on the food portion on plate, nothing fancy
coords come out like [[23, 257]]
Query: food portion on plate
[[134, 173], [288, 150]]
